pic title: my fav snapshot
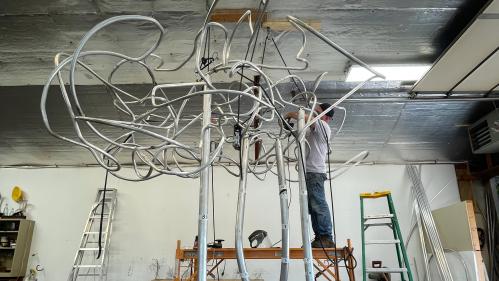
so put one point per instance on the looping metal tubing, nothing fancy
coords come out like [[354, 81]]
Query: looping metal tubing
[[149, 135], [265, 107]]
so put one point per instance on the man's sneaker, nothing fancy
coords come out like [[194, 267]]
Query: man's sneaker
[[323, 242]]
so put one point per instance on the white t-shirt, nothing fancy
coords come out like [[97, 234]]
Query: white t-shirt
[[317, 147]]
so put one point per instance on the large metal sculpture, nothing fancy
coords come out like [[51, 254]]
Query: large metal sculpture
[[148, 133]]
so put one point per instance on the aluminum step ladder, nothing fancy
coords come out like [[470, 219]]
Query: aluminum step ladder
[[384, 220], [86, 266]]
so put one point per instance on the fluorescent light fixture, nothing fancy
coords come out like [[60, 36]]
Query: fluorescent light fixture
[[392, 72]]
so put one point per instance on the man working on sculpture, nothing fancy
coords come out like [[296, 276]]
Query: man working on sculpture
[[317, 137]]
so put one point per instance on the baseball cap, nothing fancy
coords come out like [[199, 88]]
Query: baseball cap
[[325, 106]]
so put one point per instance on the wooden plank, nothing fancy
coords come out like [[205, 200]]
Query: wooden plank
[[465, 190], [261, 253], [472, 223], [322, 274], [284, 25], [326, 268], [464, 182], [474, 239], [233, 15]]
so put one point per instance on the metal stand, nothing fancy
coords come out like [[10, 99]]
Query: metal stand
[[304, 214], [204, 188], [86, 263], [186, 264]]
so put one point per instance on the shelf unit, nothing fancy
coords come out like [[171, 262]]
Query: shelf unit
[[14, 258]]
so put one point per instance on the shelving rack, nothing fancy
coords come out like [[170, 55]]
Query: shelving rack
[[15, 243]]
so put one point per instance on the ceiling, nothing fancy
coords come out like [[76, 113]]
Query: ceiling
[[471, 63], [377, 31]]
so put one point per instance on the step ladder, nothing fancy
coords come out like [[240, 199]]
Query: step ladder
[[86, 266], [384, 220]]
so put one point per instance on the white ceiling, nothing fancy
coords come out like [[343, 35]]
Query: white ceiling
[[493, 7], [472, 61]]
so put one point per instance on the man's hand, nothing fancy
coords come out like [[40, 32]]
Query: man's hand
[[294, 115], [291, 115]]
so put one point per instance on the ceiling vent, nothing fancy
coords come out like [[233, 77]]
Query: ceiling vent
[[484, 134]]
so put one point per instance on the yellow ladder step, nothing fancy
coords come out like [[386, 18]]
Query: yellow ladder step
[[376, 194]]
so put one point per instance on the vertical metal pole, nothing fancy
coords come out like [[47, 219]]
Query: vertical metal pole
[[304, 215], [283, 200], [203, 190], [423, 243], [241, 201], [494, 193], [362, 230], [429, 223]]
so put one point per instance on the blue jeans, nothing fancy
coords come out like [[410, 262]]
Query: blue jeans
[[317, 205]]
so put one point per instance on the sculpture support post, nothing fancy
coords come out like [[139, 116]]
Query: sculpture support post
[[283, 200], [204, 189], [241, 201], [304, 215]]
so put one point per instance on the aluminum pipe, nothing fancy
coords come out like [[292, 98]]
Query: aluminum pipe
[[283, 201], [303, 197], [204, 189], [241, 202]]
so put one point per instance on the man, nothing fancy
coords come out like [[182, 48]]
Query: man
[[317, 150]]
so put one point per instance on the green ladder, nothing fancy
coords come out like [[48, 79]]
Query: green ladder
[[391, 221]]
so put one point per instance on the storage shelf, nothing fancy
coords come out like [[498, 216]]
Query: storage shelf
[[15, 257]]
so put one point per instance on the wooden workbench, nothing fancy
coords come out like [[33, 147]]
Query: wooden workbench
[[322, 259]]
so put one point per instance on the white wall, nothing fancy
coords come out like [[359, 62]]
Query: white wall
[[152, 215]]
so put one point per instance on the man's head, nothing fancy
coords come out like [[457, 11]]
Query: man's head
[[322, 107]]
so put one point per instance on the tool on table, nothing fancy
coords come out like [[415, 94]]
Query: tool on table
[[259, 236], [217, 244]]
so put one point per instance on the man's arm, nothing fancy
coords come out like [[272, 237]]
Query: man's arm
[[294, 115]]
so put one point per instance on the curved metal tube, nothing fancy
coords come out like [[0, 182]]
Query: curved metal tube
[[241, 202], [328, 41], [283, 202]]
